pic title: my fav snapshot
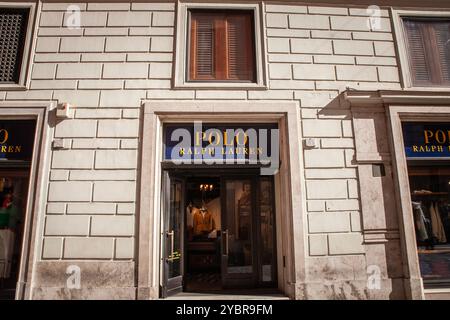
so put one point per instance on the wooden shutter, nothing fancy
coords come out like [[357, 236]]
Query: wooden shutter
[[221, 46], [202, 47], [442, 32], [240, 47], [429, 51], [417, 56]]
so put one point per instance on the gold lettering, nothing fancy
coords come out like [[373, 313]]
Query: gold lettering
[[225, 140], [181, 152], [244, 141], [440, 136], [440, 149], [216, 138], [10, 149], [5, 135], [415, 149], [199, 137], [428, 134]]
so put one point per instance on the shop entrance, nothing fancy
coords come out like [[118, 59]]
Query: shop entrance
[[218, 231]]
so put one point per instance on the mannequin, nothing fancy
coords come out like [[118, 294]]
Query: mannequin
[[203, 222]]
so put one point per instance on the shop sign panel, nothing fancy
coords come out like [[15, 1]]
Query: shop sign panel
[[16, 139], [429, 140], [206, 143]]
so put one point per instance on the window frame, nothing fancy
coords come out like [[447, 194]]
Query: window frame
[[402, 45], [182, 49], [25, 66]]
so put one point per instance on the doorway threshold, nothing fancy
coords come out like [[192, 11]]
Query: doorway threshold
[[225, 295]]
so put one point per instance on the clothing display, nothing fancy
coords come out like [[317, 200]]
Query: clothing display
[[428, 217], [213, 207], [436, 224], [189, 216], [206, 220], [420, 221], [203, 221]]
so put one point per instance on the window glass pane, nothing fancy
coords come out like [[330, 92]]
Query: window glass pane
[[13, 193], [239, 223], [267, 229], [173, 241], [427, 149]]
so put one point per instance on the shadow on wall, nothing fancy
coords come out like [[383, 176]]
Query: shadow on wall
[[379, 213]]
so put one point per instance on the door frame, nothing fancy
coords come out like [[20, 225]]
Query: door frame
[[183, 173], [37, 185], [176, 284], [289, 183]]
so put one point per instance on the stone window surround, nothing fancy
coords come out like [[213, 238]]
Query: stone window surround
[[397, 115], [291, 214], [38, 184], [25, 69], [403, 106], [182, 51], [401, 42]]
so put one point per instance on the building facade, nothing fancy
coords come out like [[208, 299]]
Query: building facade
[[148, 145]]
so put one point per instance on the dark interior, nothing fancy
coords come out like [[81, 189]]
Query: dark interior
[[203, 246]]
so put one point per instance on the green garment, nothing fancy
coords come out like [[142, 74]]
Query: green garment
[[11, 218]]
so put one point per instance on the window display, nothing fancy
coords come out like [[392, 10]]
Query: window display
[[430, 188], [12, 208], [427, 149]]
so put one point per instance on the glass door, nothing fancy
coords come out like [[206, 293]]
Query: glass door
[[238, 236], [172, 236]]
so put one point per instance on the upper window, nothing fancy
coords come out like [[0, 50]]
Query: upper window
[[428, 47], [13, 30], [221, 46]]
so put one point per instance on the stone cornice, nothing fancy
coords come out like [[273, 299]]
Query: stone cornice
[[396, 97], [428, 4]]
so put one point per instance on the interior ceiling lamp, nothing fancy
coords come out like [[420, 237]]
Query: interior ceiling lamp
[[206, 187]]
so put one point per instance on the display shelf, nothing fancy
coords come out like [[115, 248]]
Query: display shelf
[[421, 194]]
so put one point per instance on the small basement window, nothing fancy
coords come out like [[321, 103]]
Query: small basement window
[[13, 31]]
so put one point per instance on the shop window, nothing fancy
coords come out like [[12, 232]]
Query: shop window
[[221, 46], [428, 50], [427, 148], [13, 31]]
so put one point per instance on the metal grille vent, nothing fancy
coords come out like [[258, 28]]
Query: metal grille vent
[[13, 25]]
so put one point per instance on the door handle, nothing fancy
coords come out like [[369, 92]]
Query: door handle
[[225, 236], [171, 234]]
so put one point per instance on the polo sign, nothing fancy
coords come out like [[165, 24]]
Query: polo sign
[[426, 140], [200, 143]]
